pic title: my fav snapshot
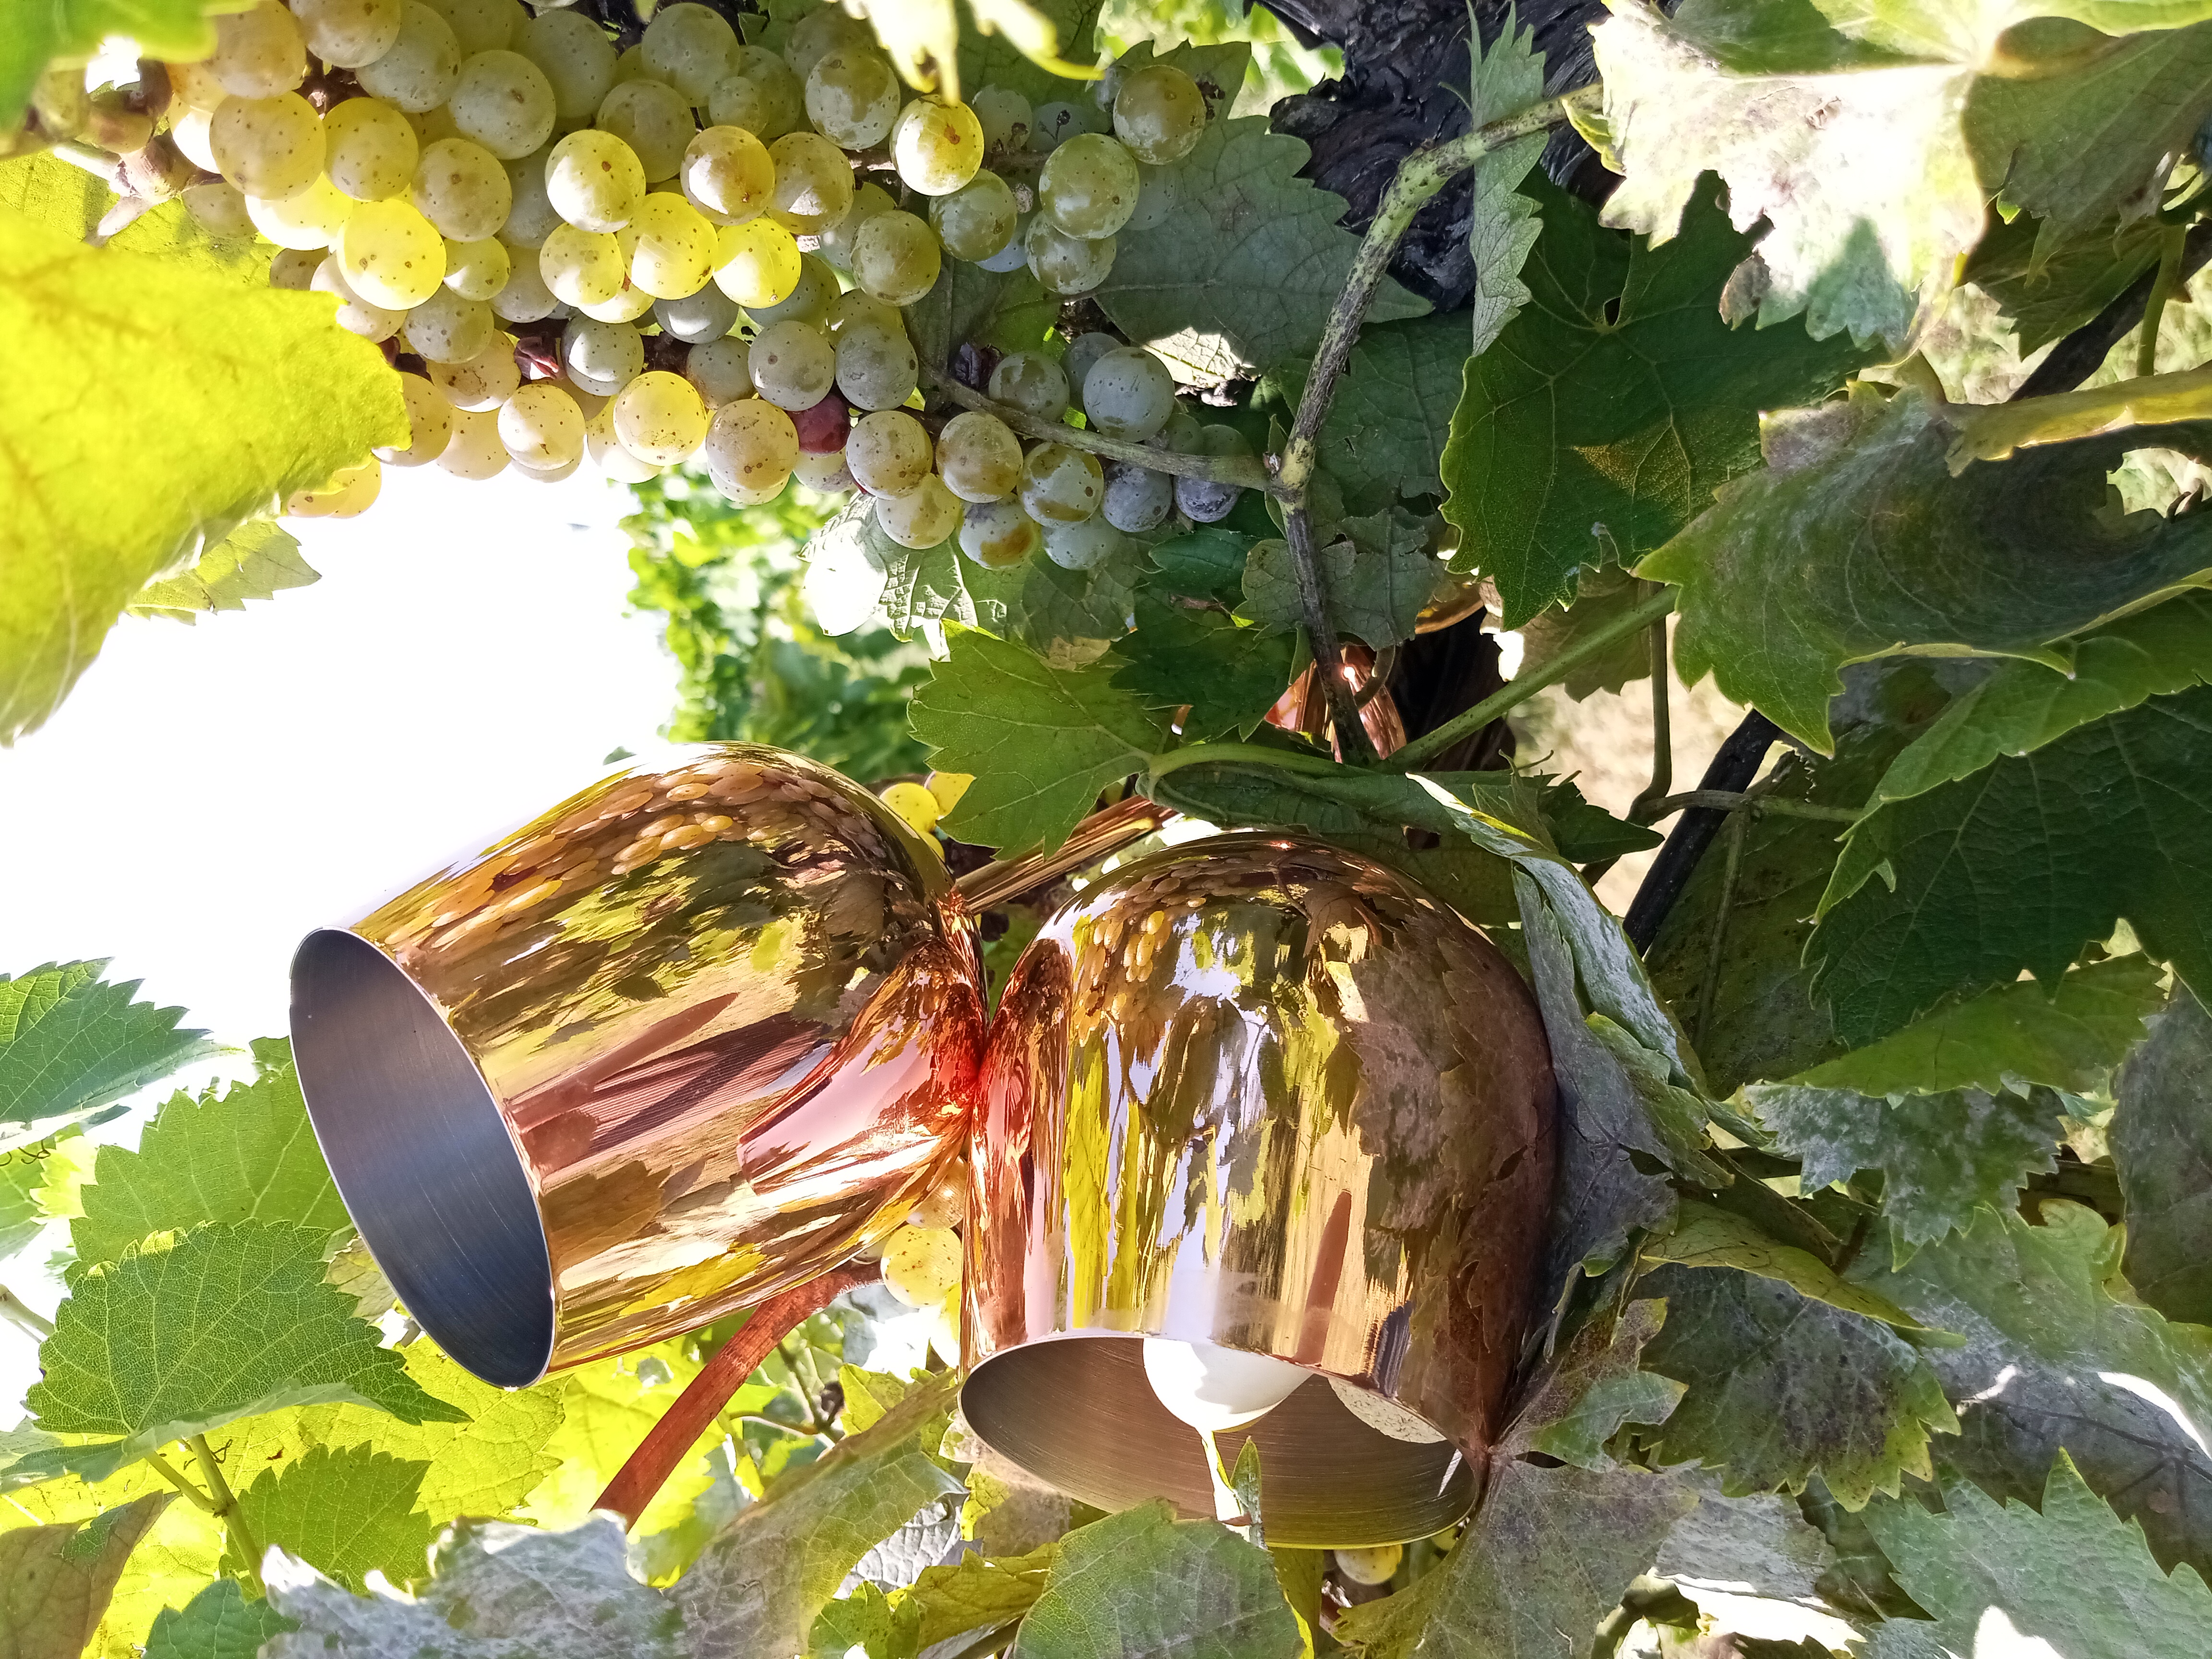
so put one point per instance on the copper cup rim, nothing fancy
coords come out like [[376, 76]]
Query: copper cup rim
[[452, 1220]]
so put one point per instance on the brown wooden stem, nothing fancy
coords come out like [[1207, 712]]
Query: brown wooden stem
[[701, 1402]]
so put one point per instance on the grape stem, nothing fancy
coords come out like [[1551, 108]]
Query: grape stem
[[1244, 470], [1523, 686], [225, 1508], [1729, 800], [1420, 176], [1199, 754]]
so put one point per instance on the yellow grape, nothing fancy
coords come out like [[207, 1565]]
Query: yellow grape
[[756, 263], [922, 1265]]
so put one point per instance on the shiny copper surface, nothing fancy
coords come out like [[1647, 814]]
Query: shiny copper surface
[[1303, 707], [691, 1037], [1258, 1091], [1104, 833]]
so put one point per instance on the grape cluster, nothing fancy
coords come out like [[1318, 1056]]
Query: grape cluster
[[697, 247]]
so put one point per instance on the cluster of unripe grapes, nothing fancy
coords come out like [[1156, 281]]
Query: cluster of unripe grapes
[[695, 247]]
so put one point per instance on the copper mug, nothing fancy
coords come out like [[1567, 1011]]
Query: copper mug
[[690, 1038], [1260, 1093]]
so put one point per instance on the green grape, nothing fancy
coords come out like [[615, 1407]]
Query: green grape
[[349, 493], [368, 149], [503, 102], [1067, 265], [1031, 382], [675, 251], [354, 314], [391, 254], [936, 145], [659, 419], [751, 448], [1054, 124], [593, 180], [485, 381], [461, 188], [629, 305], [976, 219], [922, 1265], [1203, 501], [474, 451], [1159, 113], [896, 257], [577, 61], [889, 453], [772, 102], [1013, 257], [582, 267], [220, 207], [997, 534], [258, 54], [601, 357], [271, 148], [689, 47], [821, 31], [858, 308], [525, 297], [1084, 544], [479, 269], [853, 96], [607, 453], [1137, 498], [825, 473], [1128, 394], [836, 242], [541, 427], [793, 365], [289, 268], [813, 185], [630, 65], [429, 425], [431, 125], [756, 262], [653, 121], [727, 175], [1083, 351], [310, 218], [695, 319], [1180, 435], [1375, 1565], [1088, 187], [194, 87], [480, 25], [720, 370], [420, 69], [921, 518], [448, 329], [1157, 193], [1061, 485], [1004, 116], [531, 219], [811, 297], [347, 33], [979, 459], [876, 366]]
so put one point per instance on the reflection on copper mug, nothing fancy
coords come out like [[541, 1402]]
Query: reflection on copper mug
[[688, 1039]]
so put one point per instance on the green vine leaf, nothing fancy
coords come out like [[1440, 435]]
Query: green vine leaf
[[219, 1623], [996, 59], [230, 1321], [1207, 563], [1509, 78], [1228, 674], [2161, 1140], [1248, 261], [1143, 1585], [72, 1046], [1616, 403], [1702, 1236], [2058, 1355], [2068, 1036], [1782, 1387], [2066, 1573], [248, 1154], [55, 1581], [2022, 706], [1595, 1386], [346, 1512], [158, 409], [2114, 819], [1040, 741], [1378, 570], [257, 560], [1857, 541], [175, 29], [1383, 441], [2049, 285]]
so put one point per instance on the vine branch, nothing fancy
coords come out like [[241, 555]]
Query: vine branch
[[13, 1311], [1243, 471], [1522, 687], [175, 1477], [1728, 800]]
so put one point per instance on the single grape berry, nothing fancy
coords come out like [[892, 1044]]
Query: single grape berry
[[1031, 382], [1084, 545], [976, 219], [896, 257], [659, 417], [1067, 265], [978, 456], [997, 534], [921, 518], [937, 146], [1158, 113], [888, 452], [1061, 485], [823, 427], [1128, 394]]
